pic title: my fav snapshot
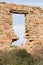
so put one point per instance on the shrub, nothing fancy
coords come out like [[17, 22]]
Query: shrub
[[16, 57]]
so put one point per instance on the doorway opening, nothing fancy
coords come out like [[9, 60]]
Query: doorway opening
[[18, 26]]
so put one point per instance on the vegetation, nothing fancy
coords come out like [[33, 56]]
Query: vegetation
[[16, 57]]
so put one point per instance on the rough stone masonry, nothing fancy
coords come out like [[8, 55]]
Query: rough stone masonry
[[33, 26]]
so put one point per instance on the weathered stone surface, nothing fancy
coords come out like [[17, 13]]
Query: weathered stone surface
[[33, 26], [6, 32]]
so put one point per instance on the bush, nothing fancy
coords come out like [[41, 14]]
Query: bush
[[23, 58], [16, 57]]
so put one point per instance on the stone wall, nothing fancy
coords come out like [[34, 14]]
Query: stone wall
[[33, 26], [6, 33]]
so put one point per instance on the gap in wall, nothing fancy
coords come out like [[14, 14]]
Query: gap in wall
[[18, 26]]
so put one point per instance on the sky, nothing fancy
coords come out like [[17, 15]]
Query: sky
[[19, 19], [25, 2]]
